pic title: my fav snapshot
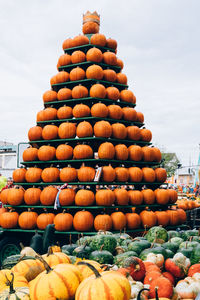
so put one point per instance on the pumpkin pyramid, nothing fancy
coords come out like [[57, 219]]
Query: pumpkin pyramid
[[90, 163]]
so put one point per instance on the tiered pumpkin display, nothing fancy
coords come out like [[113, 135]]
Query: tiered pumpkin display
[[89, 152]]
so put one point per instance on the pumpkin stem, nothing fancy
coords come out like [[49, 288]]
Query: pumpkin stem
[[97, 274], [47, 267], [50, 251], [10, 283], [156, 291], [70, 239], [101, 248], [21, 258], [140, 292], [21, 245]]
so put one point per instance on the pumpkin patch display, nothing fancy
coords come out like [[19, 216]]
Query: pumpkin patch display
[[90, 150]]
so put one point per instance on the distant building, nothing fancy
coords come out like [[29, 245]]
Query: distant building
[[8, 158], [186, 176]]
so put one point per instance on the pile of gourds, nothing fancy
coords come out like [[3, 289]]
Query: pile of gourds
[[152, 271]]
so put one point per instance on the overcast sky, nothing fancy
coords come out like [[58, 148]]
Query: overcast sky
[[158, 40]]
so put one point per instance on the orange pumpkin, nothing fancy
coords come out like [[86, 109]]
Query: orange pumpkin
[[118, 220], [135, 197], [111, 43], [173, 196], [146, 135], [50, 174], [148, 218], [129, 114], [148, 154], [64, 112], [32, 196], [67, 197], [62, 76], [133, 133], [162, 196], [135, 174], [9, 219], [148, 174], [83, 221], [99, 110], [66, 130], [45, 219], [49, 132], [68, 43], [64, 94], [133, 220], [33, 174], [77, 57], [127, 96], [35, 133], [94, 72], [86, 174], [77, 74], [79, 91], [157, 154], [27, 219], [102, 129], [64, 59], [90, 27], [105, 197], [82, 152], [80, 40], [135, 152], [122, 174], [84, 198], [64, 152], [112, 93], [98, 39], [94, 55], [119, 131], [140, 117], [15, 196], [173, 217], [84, 129], [103, 222], [122, 78], [115, 112], [4, 196], [161, 174], [81, 110], [68, 174], [182, 216], [148, 196], [98, 91], [106, 151], [49, 96], [162, 218], [120, 63], [108, 174], [48, 195], [19, 175], [30, 154], [109, 75], [110, 58], [121, 197], [121, 152], [46, 153], [63, 221]]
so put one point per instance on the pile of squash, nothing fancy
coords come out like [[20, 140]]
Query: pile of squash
[[156, 266]]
